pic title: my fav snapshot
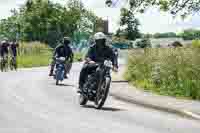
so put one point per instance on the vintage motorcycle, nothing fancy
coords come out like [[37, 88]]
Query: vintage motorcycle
[[60, 70], [97, 85]]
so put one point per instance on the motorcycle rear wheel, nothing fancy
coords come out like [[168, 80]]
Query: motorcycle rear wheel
[[82, 100]]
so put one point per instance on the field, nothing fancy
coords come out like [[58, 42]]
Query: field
[[167, 71], [35, 54]]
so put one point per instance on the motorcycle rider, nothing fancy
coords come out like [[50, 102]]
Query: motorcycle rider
[[4, 49], [13, 49], [0, 47], [97, 53], [63, 50]]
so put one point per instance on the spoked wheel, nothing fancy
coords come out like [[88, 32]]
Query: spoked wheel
[[14, 64], [102, 93], [56, 77], [4, 66], [1, 66], [82, 100], [11, 64]]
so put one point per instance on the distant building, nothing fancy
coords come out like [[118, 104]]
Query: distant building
[[102, 26]]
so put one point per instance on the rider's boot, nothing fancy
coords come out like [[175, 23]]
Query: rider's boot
[[51, 72]]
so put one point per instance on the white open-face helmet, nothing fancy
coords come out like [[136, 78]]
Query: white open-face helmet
[[99, 36], [2, 42]]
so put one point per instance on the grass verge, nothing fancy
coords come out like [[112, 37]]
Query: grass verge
[[166, 71]]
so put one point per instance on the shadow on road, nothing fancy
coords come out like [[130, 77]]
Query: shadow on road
[[64, 85], [67, 85], [111, 109], [120, 81]]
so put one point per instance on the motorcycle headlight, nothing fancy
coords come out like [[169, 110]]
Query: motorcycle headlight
[[62, 59], [108, 64]]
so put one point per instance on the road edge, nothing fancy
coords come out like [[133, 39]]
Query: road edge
[[182, 113]]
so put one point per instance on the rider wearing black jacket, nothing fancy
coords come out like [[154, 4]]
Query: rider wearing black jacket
[[63, 50], [13, 47], [4, 49], [97, 53]]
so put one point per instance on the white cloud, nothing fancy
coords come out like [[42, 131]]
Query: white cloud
[[7, 5], [155, 21]]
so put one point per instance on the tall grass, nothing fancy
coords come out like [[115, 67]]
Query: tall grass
[[167, 71], [36, 54], [33, 54]]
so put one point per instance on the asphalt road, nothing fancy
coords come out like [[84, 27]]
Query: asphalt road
[[30, 102]]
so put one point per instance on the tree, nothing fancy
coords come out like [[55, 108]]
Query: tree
[[118, 33], [47, 22], [148, 35], [180, 7], [9, 28], [130, 24], [165, 35], [175, 7], [190, 34]]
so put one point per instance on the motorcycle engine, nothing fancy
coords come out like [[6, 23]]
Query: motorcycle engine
[[92, 86]]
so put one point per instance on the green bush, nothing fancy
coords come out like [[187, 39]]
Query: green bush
[[196, 43], [167, 71], [78, 56], [144, 43], [177, 44]]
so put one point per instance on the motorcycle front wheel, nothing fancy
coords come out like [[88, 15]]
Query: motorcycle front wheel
[[57, 76], [57, 82], [102, 93]]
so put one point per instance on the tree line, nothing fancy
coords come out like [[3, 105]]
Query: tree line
[[48, 22], [188, 34], [129, 28]]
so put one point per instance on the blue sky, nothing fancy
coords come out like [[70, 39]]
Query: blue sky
[[151, 22]]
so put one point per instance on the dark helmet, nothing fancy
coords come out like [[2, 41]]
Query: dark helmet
[[66, 40]]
